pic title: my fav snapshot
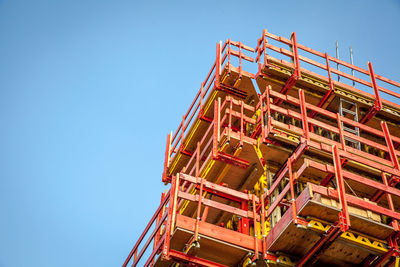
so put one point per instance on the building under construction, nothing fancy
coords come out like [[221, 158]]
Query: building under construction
[[293, 164]]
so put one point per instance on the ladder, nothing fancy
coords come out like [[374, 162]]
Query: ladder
[[345, 110]]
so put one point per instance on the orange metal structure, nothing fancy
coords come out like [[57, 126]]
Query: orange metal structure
[[274, 168]]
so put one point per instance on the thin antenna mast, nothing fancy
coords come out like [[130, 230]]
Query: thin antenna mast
[[337, 56], [352, 63]]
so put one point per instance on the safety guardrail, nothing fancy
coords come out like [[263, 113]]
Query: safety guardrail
[[300, 54], [224, 58]]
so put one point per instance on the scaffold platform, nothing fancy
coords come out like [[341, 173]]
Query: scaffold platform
[[284, 167]]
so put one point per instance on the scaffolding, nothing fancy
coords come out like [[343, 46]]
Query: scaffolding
[[284, 167]]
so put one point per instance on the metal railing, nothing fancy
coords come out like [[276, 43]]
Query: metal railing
[[298, 121], [224, 56], [297, 55]]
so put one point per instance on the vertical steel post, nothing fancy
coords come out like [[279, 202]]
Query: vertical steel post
[[229, 52], [255, 227], [196, 233], [344, 217], [389, 143], [240, 60], [201, 100], [395, 223], [296, 59], [268, 103], [337, 56], [265, 46], [304, 116], [262, 117], [168, 226], [378, 101], [242, 128], [264, 245], [205, 213], [292, 192], [218, 65], [328, 94], [183, 128], [328, 67], [167, 159], [217, 119], [342, 140], [157, 236], [244, 222], [352, 63], [228, 98]]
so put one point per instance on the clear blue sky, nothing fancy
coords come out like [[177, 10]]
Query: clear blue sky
[[89, 90]]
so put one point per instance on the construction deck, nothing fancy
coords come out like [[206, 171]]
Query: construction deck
[[283, 167]]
